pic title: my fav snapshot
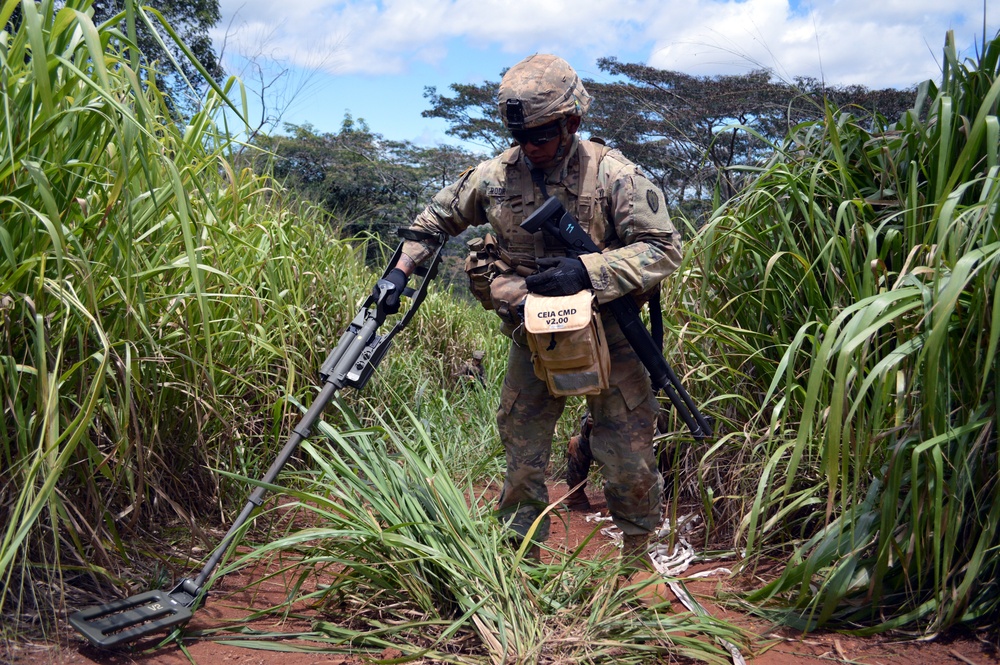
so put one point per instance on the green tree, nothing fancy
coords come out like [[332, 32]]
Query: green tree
[[367, 183], [471, 113], [691, 134], [694, 133], [191, 20]]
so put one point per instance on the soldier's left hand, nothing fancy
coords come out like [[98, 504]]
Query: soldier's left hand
[[392, 286], [559, 276]]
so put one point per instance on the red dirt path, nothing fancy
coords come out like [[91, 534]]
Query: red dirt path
[[770, 645]]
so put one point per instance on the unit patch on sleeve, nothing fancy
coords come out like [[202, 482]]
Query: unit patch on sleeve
[[496, 190], [653, 200]]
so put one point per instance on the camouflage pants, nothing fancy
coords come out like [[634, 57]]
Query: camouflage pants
[[621, 440]]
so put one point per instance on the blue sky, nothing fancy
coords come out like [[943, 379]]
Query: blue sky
[[374, 58]]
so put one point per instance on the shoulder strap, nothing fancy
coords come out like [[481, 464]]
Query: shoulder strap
[[656, 318], [591, 154]]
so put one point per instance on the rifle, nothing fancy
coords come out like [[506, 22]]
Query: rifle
[[552, 218], [351, 363]]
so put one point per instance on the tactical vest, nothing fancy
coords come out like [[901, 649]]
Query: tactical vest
[[518, 248]]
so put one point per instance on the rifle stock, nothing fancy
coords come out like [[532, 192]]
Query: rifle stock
[[552, 218]]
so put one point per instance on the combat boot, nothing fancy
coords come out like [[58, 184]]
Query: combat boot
[[637, 568], [635, 552], [577, 469], [532, 553]]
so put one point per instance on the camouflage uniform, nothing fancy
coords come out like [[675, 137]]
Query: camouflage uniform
[[579, 459], [473, 370], [625, 215]]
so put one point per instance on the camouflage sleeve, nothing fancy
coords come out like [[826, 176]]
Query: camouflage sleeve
[[452, 210], [650, 245]]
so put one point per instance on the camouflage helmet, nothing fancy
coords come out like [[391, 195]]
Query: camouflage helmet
[[539, 89]]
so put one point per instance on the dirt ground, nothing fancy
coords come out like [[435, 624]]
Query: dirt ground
[[770, 645]]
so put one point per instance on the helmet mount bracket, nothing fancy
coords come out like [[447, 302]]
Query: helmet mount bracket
[[515, 114]]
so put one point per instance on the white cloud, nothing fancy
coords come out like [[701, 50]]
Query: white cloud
[[876, 43], [882, 43], [382, 38]]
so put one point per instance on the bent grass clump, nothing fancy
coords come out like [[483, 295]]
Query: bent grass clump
[[407, 560]]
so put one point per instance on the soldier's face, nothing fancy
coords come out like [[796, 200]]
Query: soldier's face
[[542, 155], [543, 151]]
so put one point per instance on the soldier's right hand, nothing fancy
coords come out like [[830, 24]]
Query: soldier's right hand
[[392, 286], [559, 276]]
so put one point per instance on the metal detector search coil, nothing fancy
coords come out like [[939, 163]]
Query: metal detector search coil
[[129, 619]]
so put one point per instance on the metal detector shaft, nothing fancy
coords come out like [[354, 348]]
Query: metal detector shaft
[[552, 218], [344, 358], [256, 499]]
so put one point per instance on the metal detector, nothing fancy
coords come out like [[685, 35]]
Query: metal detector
[[351, 363]]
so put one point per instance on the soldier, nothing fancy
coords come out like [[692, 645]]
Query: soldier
[[542, 102], [473, 370]]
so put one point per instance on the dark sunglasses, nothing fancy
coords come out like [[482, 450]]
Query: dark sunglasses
[[537, 135]]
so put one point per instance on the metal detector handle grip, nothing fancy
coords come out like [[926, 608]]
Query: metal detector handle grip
[[425, 272]]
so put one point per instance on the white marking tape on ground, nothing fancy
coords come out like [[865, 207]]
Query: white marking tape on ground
[[709, 573], [672, 563]]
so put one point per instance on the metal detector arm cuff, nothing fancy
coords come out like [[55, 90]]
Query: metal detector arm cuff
[[361, 349], [426, 271]]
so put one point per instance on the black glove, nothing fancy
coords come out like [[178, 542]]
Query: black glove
[[393, 284], [559, 276]]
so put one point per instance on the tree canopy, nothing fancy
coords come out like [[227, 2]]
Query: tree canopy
[[471, 113], [689, 133]]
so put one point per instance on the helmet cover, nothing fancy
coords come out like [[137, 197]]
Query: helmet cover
[[539, 89]]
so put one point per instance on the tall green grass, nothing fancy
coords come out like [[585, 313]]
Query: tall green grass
[[160, 303], [403, 557], [130, 288], [164, 309], [857, 278]]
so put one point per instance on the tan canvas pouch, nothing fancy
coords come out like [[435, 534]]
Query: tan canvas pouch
[[568, 347], [480, 267]]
